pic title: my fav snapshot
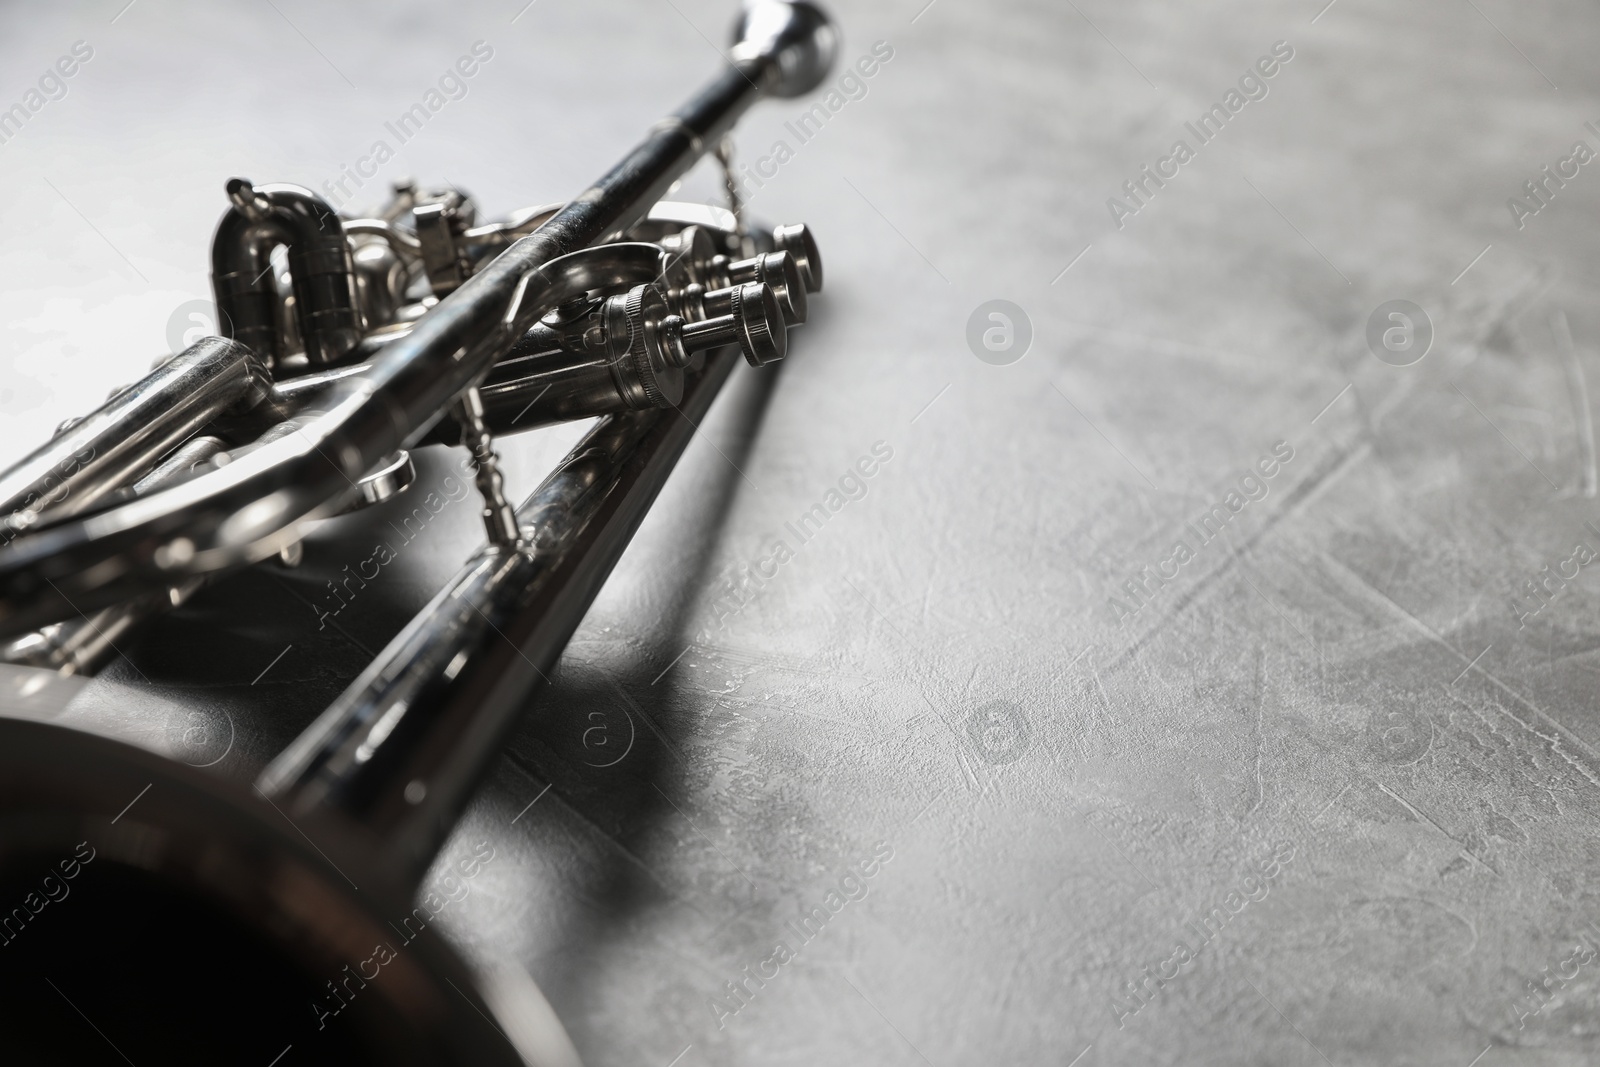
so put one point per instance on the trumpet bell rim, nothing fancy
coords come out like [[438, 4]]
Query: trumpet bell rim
[[207, 903]]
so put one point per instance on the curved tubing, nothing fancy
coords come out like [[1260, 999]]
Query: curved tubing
[[403, 747], [319, 264], [255, 505], [131, 430]]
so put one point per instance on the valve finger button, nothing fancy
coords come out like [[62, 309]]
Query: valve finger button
[[798, 241], [753, 321], [781, 273], [650, 379], [764, 337]]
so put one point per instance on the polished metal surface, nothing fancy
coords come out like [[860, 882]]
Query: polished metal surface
[[86, 644], [378, 783], [1344, 751], [386, 481], [320, 265], [251, 508], [205, 862], [404, 747], [118, 442]]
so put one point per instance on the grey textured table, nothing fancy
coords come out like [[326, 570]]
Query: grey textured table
[[1319, 787]]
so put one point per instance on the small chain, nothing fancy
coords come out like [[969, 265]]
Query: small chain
[[499, 518], [724, 154]]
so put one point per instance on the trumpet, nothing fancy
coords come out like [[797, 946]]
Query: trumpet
[[344, 344]]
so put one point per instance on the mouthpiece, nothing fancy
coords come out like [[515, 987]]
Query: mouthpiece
[[797, 37]]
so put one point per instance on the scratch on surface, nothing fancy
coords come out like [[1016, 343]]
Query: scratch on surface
[[1553, 740], [520, 764], [1261, 699], [1550, 743], [1372, 593], [1487, 723], [968, 774], [1212, 357], [1480, 745], [1578, 388], [1298, 498], [1420, 817], [649, 721], [971, 677], [947, 721], [1503, 316], [346, 634], [942, 791], [1331, 803], [1574, 655], [787, 709], [1118, 849], [1361, 585], [1105, 700]]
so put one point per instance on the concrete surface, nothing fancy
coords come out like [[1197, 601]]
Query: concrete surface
[[1339, 757]]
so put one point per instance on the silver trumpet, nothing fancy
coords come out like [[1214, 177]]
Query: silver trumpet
[[346, 343]]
